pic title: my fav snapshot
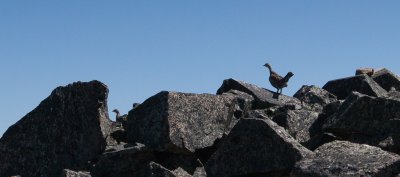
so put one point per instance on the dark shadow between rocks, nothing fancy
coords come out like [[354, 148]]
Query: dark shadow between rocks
[[205, 153]]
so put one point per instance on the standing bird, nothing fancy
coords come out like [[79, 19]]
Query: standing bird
[[119, 118], [276, 80]]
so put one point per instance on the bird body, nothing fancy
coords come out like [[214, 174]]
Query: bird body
[[276, 80]]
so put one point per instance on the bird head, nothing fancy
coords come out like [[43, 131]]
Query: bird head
[[290, 74], [116, 111], [267, 65]]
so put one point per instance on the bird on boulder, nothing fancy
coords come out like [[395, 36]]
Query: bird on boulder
[[118, 117], [276, 80]]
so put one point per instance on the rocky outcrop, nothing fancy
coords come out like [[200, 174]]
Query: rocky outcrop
[[256, 146], [243, 130], [360, 83], [387, 79], [66, 131], [341, 158], [370, 120], [181, 122], [263, 98]]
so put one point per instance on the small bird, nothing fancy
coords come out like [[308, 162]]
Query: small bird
[[276, 80], [119, 118]]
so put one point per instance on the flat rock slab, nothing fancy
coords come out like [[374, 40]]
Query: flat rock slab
[[360, 83], [345, 159], [181, 122], [65, 131], [263, 98], [387, 79], [370, 120], [256, 146]]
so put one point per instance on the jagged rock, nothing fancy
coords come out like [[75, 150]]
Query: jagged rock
[[181, 122], [345, 159], [174, 162], [123, 161], [369, 120], [263, 98], [387, 79], [65, 131], [256, 146], [317, 136], [156, 170], [296, 122], [244, 100], [315, 97], [70, 173], [132, 160], [361, 83], [179, 172]]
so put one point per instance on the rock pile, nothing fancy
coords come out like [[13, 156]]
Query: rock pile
[[349, 127]]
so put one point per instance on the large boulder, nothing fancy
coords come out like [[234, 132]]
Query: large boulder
[[263, 98], [341, 158], [315, 97], [66, 131], [387, 79], [360, 83], [366, 119], [256, 146], [181, 122]]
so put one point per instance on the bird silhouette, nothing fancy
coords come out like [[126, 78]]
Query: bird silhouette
[[276, 80]]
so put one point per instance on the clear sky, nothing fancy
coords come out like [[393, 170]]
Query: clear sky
[[139, 48]]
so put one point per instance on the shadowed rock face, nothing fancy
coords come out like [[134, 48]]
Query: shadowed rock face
[[65, 131], [387, 79], [341, 158], [181, 122], [370, 120], [256, 146], [361, 83]]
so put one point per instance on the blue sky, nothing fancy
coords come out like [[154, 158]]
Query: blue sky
[[139, 48]]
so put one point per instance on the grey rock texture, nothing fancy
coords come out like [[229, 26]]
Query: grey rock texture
[[296, 122], [124, 161], [315, 97], [157, 170], [181, 122], [361, 83], [256, 146], [263, 98], [387, 79], [70, 173], [345, 159], [370, 120], [66, 131]]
